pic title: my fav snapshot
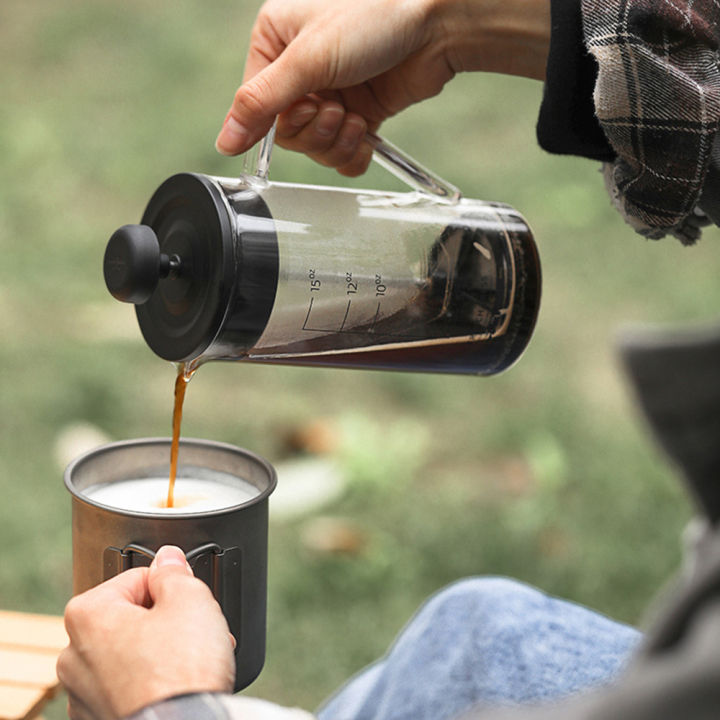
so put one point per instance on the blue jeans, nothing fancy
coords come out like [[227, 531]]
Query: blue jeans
[[486, 641]]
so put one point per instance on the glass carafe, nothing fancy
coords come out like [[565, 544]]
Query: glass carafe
[[258, 271]]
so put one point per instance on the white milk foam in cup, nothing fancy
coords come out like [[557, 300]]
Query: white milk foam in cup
[[191, 494]]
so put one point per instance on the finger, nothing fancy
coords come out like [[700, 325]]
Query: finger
[[265, 95], [332, 137], [129, 586], [292, 121], [318, 135], [359, 163], [346, 145], [128, 589], [275, 26]]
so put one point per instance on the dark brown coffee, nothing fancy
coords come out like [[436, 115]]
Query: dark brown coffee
[[181, 382]]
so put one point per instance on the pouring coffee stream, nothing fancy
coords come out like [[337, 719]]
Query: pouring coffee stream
[[181, 382], [251, 270]]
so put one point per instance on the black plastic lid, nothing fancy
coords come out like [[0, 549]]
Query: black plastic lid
[[185, 310]]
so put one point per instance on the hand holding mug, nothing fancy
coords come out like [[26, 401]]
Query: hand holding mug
[[142, 636]]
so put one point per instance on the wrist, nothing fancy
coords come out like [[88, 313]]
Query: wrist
[[503, 36]]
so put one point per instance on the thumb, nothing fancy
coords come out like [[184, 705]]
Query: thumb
[[167, 569], [170, 556]]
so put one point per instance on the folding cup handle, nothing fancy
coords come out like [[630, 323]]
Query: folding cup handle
[[117, 560], [208, 562]]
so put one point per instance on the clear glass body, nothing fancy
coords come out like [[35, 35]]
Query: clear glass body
[[391, 280]]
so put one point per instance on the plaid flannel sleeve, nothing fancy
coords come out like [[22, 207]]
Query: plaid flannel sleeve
[[657, 98], [218, 706], [197, 706]]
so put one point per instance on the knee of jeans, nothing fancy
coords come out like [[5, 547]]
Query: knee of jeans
[[466, 620], [488, 599]]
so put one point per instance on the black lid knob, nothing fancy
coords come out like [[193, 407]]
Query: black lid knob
[[133, 264]]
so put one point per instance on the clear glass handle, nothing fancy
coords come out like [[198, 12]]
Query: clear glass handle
[[256, 164], [403, 167], [256, 161]]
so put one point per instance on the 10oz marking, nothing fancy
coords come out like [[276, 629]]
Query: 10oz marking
[[380, 286]]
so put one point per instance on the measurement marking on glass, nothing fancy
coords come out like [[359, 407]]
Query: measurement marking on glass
[[347, 311], [375, 319], [363, 331], [307, 317]]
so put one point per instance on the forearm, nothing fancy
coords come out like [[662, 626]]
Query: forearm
[[503, 36]]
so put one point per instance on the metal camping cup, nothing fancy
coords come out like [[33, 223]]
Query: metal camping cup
[[252, 270], [226, 547]]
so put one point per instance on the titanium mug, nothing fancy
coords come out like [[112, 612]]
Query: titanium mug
[[225, 546]]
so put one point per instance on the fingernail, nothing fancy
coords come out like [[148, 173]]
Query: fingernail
[[169, 555], [302, 114], [232, 137]]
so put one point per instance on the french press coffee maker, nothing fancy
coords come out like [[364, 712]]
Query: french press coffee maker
[[258, 271]]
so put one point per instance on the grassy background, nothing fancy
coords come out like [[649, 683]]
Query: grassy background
[[544, 473]]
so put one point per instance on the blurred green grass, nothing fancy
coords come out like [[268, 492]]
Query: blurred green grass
[[544, 473]]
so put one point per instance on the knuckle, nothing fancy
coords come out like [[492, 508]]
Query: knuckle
[[250, 98], [64, 668], [74, 613], [62, 664]]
